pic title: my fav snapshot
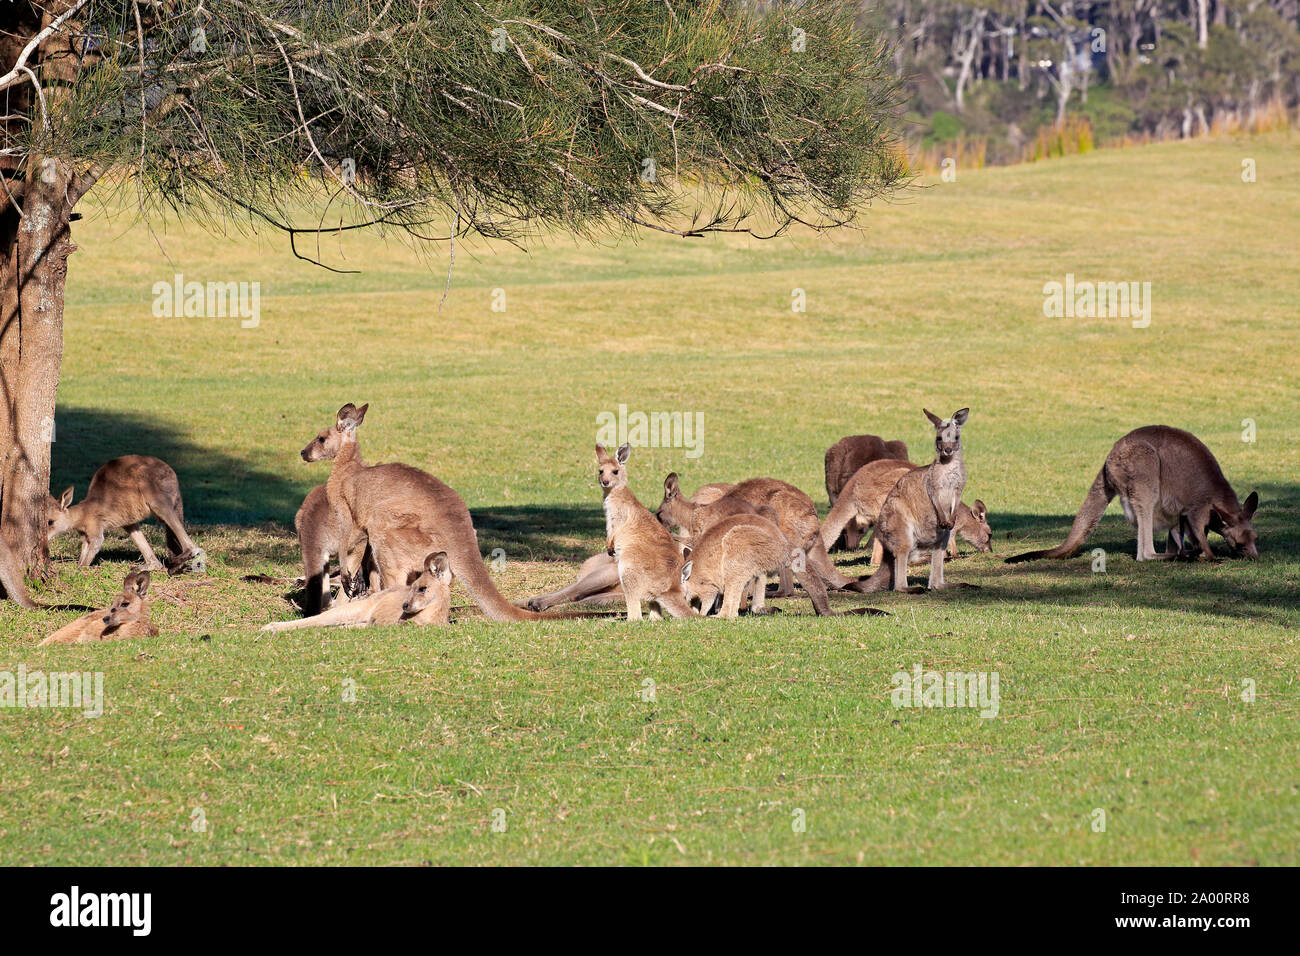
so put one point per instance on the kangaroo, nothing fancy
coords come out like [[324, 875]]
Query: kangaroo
[[405, 513], [919, 513], [649, 564], [798, 522], [859, 501], [734, 557], [846, 456], [123, 493], [127, 616], [1166, 479], [323, 531], [11, 577], [425, 598], [971, 524], [676, 509]]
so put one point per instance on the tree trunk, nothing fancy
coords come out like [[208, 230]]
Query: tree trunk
[[34, 249]]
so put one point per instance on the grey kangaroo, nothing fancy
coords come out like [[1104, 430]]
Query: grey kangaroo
[[123, 493], [1166, 479], [919, 513]]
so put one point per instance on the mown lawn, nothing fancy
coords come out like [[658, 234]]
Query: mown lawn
[[1120, 692]]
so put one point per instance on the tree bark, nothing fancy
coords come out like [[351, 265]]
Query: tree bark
[[34, 249]]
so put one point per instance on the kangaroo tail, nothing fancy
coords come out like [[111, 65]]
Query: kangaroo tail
[[1094, 506], [473, 573]]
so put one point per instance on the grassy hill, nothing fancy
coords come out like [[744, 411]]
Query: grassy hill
[[1120, 691]]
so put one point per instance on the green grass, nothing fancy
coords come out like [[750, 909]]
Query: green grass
[[1119, 691]]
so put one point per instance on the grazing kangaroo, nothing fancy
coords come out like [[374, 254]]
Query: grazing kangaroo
[[127, 616], [425, 598], [649, 564], [1166, 479], [846, 456], [123, 493], [676, 509], [971, 524], [919, 513], [859, 501], [324, 532], [11, 577], [405, 513], [734, 557], [798, 522]]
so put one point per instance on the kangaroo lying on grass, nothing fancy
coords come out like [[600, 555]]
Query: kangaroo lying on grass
[[919, 513], [127, 616], [425, 598], [123, 493], [405, 513], [846, 456], [1166, 479], [649, 564], [733, 558], [322, 532], [11, 577]]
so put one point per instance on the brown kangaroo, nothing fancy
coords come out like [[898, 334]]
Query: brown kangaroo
[[847, 455], [11, 577], [1166, 479], [425, 598], [972, 524], [859, 501], [405, 514], [734, 557], [123, 493], [676, 509], [798, 522], [649, 564], [919, 513], [127, 616], [324, 531]]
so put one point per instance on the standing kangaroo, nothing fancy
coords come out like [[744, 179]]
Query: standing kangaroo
[[425, 598], [1166, 479], [123, 493], [127, 616], [859, 501], [11, 577], [676, 509], [649, 564], [405, 513], [919, 513], [734, 557], [847, 455]]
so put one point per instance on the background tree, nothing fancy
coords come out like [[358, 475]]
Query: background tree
[[425, 118]]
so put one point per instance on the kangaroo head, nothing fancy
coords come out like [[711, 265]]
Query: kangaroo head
[[429, 585], [975, 529], [326, 445], [57, 517], [1237, 529], [611, 472], [674, 510], [129, 605], [947, 433], [698, 593]]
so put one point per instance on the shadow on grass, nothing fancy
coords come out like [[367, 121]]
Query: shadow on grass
[[216, 487]]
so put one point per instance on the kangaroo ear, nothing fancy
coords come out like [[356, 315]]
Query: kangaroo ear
[[686, 571], [624, 450], [1251, 503], [436, 564], [960, 416], [1223, 516], [935, 420], [138, 582], [686, 552], [670, 485], [65, 499], [980, 511], [601, 453]]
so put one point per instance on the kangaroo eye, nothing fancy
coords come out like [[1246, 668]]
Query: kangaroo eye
[[423, 589]]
